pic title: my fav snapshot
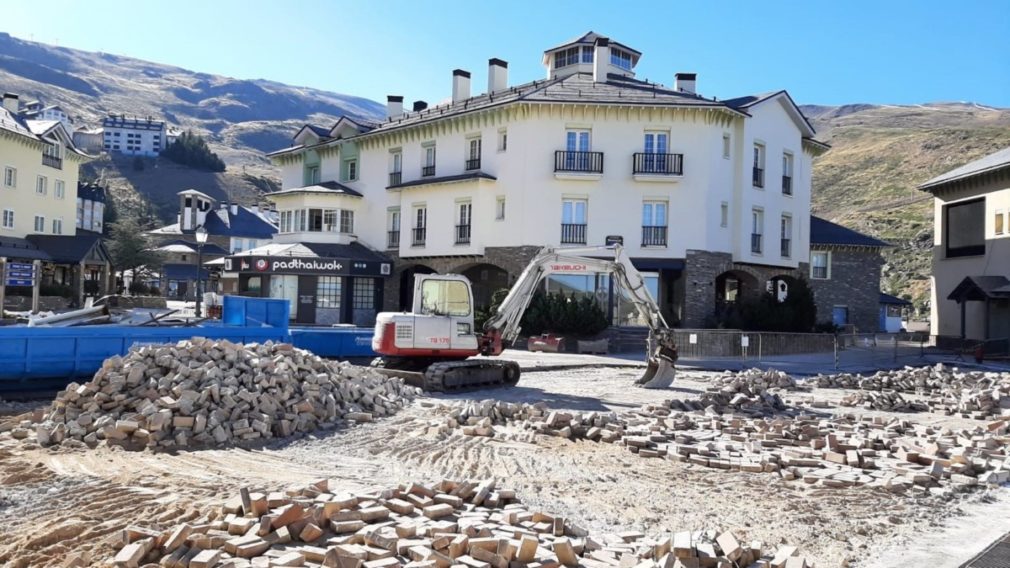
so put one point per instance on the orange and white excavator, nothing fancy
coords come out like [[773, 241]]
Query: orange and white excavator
[[436, 340]]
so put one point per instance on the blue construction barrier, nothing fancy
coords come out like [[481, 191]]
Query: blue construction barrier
[[335, 342]]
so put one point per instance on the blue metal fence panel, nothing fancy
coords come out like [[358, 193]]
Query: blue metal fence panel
[[334, 342]]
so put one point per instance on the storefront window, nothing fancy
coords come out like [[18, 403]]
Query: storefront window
[[328, 291], [363, 296], [254, 285], [286, 287], [581, 285]]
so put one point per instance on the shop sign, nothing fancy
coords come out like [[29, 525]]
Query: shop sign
[[19, 274], [309, 266]]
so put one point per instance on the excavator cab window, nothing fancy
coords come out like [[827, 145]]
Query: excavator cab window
[[445, 298]]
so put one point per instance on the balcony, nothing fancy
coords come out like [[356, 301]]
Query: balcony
[[654, 236], [419, 235], [759, 177], [578, 162], [473, 164], [755, 243], [393, 239], [573, 234], [428, 171], [52, 161], [395, 178], [787, 248], [657, 164], [462, 234], [787, 185]]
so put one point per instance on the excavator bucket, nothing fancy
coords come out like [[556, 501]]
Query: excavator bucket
[[662, 356]]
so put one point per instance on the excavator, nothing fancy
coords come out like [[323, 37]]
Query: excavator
[[432, 345]]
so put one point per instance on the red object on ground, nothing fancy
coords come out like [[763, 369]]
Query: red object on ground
[[546, 342]]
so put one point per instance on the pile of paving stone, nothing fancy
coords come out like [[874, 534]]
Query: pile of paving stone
[[883, 400], [475, 418], [466, 524], [212, 392], [756, 380]]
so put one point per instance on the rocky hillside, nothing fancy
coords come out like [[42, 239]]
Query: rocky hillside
[[241, 119], [879, 154]]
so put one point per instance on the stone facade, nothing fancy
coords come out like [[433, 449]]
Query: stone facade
[[854, 282]]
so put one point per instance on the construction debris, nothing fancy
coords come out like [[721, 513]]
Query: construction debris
[[885, 400], [467, 524], [211, 392]]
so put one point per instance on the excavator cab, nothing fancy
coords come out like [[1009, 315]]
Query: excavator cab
[[440, 323]]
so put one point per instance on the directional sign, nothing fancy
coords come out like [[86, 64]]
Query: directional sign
[[11, 282], [19, 274]]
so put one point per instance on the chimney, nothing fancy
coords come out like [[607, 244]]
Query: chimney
[[394, 106], [497, 75], [460, 85], [11, 103], [601, 60], [233, 208], [419, 106], [687, 82]]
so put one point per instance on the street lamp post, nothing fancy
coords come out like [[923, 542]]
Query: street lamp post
[[201, 239]]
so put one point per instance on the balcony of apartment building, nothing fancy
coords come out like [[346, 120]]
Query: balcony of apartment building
[[52, 161], [654, 235], [758, 177], [654, 166], [393, 239], [419, 236], [787, 185], [570, 164], [573, 233], [463, 234]]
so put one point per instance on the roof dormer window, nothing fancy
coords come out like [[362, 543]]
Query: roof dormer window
[[566, 57], [620, 58]]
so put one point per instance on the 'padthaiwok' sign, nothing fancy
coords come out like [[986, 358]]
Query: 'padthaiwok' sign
[[293, 265]]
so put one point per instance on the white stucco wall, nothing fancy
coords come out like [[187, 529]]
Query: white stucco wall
[[23, 199]]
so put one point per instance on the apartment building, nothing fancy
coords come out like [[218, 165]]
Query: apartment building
[[971, 252], [134, 136], [711, 198]]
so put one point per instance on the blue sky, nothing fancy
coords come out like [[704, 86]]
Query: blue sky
[[849, 51]]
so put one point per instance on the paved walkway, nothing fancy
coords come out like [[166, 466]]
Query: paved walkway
[[997, 555]]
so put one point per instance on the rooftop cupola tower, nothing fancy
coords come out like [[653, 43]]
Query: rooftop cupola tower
[[580, 55]]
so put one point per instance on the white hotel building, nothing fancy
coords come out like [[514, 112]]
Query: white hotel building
[[711, 198]]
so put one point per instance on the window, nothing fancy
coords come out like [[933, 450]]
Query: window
[[573, 221], [396, 162], [656, 142], [820, 265], [393, 218], [346, 221], [577, 147], [620, 58], [57, 226], [420, 218], [351, 170], [786, 235], [328, 292], [465, 212], [363, 294], [757, 230], [787, 173], [59, 189], [759, 166], [285, 225], [654, 223], [587, 53], [566, 57], [445, 298], [499, 208], [8, 219], [236, 245], [251, 244], [724, 214], [40, 224], [428, 169], [998, 222], [311, 174], [41, 185], [300, 220], [725, 146], [317, 219], [503, 139], [473, 153], [10, 177], [964, 228]]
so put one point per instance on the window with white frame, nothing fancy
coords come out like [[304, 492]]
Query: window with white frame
[[503, 139], [820, 265], [567, 57], [578, 144], [285, 221], [251, 244], [786, 235], [757, 230], [787, 173], [654, 223], [40, 224], [620, 58], [57, 226], [499, 208], [41, 185], [725, 146], [10, 177], [237, 245], [759, 165], [473, 153], [351, 170], [346, 221], [59, 189], [393, 220], [428, 151], [724, 214], [573, 221], [420, 217], [396, 162], [301, 218], [998, 227], [8, 219]]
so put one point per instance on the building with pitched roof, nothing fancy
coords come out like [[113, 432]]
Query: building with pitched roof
[[711, 198], [971, 252]]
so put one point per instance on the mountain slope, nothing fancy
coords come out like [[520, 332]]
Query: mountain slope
[[879, 154]]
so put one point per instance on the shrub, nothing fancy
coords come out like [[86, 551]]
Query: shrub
[[555, 313], [798, 313], [60, 290], [191, 150], [139, 288]]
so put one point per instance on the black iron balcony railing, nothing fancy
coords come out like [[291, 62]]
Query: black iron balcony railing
[[659, 164], [427, 171], [393, 239], [473, 164], [462, 234], [755, 243], [759, 177], [573, 234], [52, 161], [419, 236], [395, 178], [787, 185], [787, 248], [584, 162], [654, 236]]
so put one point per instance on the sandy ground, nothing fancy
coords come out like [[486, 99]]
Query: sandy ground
[[57, 500]]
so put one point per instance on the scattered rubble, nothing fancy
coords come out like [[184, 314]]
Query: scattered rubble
[[884, 400], [208, 392], [467, 524]]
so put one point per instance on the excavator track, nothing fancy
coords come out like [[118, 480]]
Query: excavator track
[[450, 376]]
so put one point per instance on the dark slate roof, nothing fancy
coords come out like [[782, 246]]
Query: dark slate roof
[[893, 300], [978, 288], [353, 251], [993, 162], [444, 179], [182, 272], [90, 191], [319, 130], [589, 38], [20, 249], [824, 232], [245, 223], [67, 248], [324, 187]]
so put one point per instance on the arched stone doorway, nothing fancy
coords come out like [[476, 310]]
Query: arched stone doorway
[[485, 279], [407, 284], [732, 287]]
